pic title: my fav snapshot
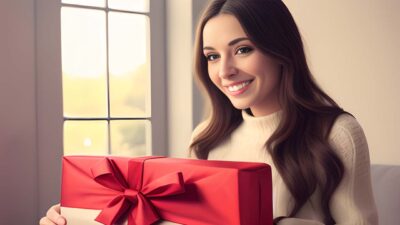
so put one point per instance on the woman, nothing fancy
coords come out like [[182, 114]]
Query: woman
[[266, 107]]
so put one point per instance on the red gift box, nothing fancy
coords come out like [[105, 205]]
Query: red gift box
[[145, 190]]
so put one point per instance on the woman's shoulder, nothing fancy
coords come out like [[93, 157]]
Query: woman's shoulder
[[347, 125], [347, 138]]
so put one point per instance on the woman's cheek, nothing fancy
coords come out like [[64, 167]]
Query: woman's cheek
[[213, 75]]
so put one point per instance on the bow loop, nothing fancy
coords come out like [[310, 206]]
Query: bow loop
[[134, 197], [107, 174], [170, 184]]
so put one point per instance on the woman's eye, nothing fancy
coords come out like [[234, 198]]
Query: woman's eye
[[212, 57], [244, 50]]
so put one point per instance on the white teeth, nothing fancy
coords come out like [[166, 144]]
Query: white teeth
[[238, 86]]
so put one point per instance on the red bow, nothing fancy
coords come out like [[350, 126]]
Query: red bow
[[134, 197]]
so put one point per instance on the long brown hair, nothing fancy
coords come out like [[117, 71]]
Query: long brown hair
[[299, 147]]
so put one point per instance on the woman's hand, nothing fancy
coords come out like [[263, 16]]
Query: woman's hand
[[53, 217]]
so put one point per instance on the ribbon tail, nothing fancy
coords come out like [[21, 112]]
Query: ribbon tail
[[113, 211]]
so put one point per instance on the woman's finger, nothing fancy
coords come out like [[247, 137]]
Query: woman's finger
[[46, 221], [53, 214]]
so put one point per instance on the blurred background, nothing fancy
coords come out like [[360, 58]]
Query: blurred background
[[115, 77]]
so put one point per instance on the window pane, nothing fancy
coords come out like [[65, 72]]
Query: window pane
[[129, 65], [83, 33], [85, 137], [131, 5], [130, 138], [99, 3]]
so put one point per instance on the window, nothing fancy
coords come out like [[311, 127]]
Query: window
[[106, 74]]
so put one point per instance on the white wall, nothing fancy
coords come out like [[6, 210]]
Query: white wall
[[18, 151], [353, 49], [179, 64], [185, 103]]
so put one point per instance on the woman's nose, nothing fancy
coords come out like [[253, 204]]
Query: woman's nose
[[227, 68]]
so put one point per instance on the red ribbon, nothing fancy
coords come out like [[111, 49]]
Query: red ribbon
[[134, 198]]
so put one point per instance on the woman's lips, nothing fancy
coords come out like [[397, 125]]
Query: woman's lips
[[238, 88]]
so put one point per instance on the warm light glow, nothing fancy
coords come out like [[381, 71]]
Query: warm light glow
[[84, 70], [129, 65], [87, 142], [83, 34], [128, 42], [85, 137]]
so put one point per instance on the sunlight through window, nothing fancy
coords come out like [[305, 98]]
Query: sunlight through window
[[106, 77]]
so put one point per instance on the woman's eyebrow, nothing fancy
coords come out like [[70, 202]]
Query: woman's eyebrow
[[234, 41]]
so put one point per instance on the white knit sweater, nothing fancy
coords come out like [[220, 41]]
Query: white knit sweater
[[352, 202]]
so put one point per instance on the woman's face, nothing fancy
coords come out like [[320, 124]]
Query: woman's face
[[248, 77]]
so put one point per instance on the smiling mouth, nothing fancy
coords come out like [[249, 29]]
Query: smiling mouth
[[239, 87]]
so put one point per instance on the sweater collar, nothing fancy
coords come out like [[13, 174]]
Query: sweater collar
[[267, 123]]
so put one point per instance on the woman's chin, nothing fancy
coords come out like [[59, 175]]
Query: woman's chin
[[240, 106]]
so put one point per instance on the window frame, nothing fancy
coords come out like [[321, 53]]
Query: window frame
[[108, 118], [50, 116]]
